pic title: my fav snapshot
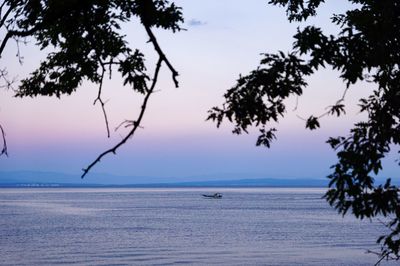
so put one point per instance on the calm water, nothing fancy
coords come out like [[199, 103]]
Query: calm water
[[177, 226]]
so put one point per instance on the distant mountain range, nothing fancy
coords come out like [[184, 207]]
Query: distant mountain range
[[25, 177], [53, 179], [35, 178], [262, 182]]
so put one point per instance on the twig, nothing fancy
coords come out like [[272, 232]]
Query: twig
[[8, 83], [297, 103], [382, 257], [2, 5], [20, 58], [127, 123], [4, 150], [4, 42], [337, 102], [341, 99], [135, 124], [162, 55], [100, 100], [13, 33], [3, 19], [149, 91]]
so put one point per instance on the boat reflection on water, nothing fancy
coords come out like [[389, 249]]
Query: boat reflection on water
[[213, 196]]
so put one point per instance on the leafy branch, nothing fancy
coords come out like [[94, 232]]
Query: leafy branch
[[366, 48], [87, 41], [337, 109]]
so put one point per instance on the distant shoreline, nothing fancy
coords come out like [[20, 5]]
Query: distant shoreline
[[38, 185]]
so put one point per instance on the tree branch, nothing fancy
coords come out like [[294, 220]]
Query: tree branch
[[102, 103], [4, 42], [3, 19], [329, 108], [4, 150], [135, 124], [14, 33], [149, 91], [8, 83], [337, 102], [157, 47], [2, 5]]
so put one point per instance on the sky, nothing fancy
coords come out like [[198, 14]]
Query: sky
[[222, 39]]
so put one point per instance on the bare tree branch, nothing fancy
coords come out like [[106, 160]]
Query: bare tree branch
[[102, 103], [17, 42], [385, 255], [328, 108], [4, 18], [12, 34], [296, 104], [8, 84], [149, 91], [2, 5], [337, 102], [127, 123], [4, 42], [162, 55], [135, 123], [4, 149]]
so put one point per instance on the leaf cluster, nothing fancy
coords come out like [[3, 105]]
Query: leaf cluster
[[258, 97], [86, 40]]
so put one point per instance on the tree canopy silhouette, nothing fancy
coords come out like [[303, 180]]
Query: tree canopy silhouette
[[87, 44], [367, 48]]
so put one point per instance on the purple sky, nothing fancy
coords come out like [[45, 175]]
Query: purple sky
[[65, 135]]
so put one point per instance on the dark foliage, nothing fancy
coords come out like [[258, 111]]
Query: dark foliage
[[366, 49], [86, 42], [86, 39]]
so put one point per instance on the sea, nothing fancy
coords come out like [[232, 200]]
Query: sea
[[178, 226]]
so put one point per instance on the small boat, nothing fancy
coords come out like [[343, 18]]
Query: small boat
[[213, 196]]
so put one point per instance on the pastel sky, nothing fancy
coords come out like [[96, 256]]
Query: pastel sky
[[223, 39]]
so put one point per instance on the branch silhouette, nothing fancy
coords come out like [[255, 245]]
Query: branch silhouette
[[4, 149], [102, 103], [162, 55], [336, 108], [83, 50], [135, 124]]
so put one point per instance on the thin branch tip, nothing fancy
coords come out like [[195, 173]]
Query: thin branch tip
[[136, 123]]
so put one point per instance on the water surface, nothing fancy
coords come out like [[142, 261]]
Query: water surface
[[268, 226]]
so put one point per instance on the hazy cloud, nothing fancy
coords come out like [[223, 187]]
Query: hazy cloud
[[195, 23]]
